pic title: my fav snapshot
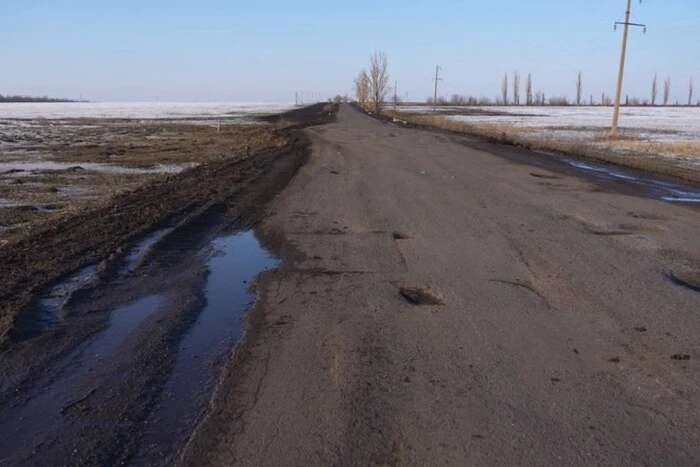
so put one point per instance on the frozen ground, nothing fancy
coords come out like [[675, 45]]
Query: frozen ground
[[659, 124], [138, 110]]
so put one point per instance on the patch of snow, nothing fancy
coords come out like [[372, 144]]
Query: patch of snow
[[25, 168], [138, 110], [662, 124]]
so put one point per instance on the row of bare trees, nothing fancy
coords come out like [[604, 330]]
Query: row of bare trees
[[372, 89], [667, 90], [538, 98], [530, 97]]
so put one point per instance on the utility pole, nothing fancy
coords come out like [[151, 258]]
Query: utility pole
[[621, 72], [436, 79], [396, 96]]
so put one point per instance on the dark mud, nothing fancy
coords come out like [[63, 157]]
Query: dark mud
[[115, 320]]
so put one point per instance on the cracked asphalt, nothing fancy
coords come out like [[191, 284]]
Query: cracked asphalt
[[556, 344]]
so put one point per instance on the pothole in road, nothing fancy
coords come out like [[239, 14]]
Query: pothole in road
[[689, 280], [680, 357], [546, 176], [417, 295], [629, 229]]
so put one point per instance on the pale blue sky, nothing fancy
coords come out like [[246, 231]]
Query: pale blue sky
[[229, 50]]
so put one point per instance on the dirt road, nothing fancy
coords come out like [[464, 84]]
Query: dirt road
[[568, 335]]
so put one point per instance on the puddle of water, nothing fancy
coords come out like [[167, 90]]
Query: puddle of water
[[138, 251], [47, 310], [49, 208], [659, 189], [37, 208], [680, 196], [71, 190], [23, 167], [586, 166], [24, 426], [236, 263]]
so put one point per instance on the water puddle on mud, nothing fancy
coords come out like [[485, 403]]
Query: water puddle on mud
[[659, 189], [26, 425], [60, 401], [47, 310], [140, 249], [237, 260]]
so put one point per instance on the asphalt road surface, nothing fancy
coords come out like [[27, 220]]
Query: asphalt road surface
[[569, 334]]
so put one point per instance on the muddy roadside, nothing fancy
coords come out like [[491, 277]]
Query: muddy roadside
[[98, 232], [81, 388]]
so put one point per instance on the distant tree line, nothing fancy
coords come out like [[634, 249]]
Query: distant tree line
[[5, 99], [512, 85]]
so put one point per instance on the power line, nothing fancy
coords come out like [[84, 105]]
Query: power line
[[621, 72]]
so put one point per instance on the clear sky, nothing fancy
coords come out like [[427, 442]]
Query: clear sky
[[265, 50]]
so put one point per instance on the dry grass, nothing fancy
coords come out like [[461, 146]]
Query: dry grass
[[628, 150]]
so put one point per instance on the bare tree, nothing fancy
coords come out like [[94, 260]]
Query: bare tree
[[362, 88], [456, 99], [528, 89], [690, 92], [539, 98], [516, 88], [559, 101], [654, 90], [667, 90], [378, 79], [504, 89], [579, 88]]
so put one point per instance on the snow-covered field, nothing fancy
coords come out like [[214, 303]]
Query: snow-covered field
[[659, 124], [138, 110]]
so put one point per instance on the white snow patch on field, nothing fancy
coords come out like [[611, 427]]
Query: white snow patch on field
[[662, 124], [137, 110], [26, 168]]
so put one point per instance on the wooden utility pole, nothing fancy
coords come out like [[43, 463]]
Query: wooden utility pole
[[621, 72], [436, 79]]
